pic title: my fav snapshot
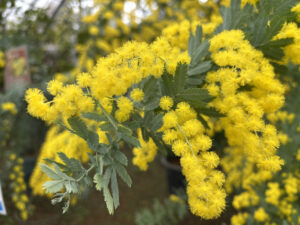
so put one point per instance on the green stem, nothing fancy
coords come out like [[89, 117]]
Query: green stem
[[88, 170], [107, 116], [186, 139]]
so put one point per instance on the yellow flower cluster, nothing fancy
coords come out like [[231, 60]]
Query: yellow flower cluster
[[2, 61], [246, 92], [110, 31], [273, 193], [10, 107], [260, 215], [125, 108], [178, 33], [296, 9], [176, 199], [281, 191], [245, 199], [137, 95], [282, 198], [145, 154], [292, 51], [116, 73], [245, 89], [119, 71], [239, 219], [94, 30], [166, 103], [292, 187], [186, 134], [7, 122], [69, 101], [57, 141], [19, 196], [282, 116]]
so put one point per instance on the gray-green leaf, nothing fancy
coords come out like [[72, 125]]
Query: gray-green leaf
[[122, 172], [98, 180], [49, 172], [53, 186], [115, 189]]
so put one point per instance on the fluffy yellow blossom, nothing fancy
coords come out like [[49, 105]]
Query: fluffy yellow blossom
[[170, 120], [118, 6], [239, 219], [90, 18], [176, 199], [137, 95], [12, 157], [115, 77], [282, 116], [296, 9], [144, 154], [108, 15], [192, 127], [12, 176], [242, 200], [210, 159], [66, 142], [178, 33], [10, 107], [19, 188], [180, 148], [272, 163], [83, 80], [283, 138], [273, 193], [102, 44], [94, 30], [54, 87], [291, 186], [125, 107], [186, 135], [245, 89], [260, 215], [170, 136], [24, 215], [285, 209], [291, 30], [69, 102], [244, 111], [20, 160], [102, 136], [2, 61], [166, 103], [60, 77]]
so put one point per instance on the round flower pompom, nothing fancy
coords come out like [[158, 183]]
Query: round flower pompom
[[84, 80], [125, 105], [12, 157], [94, 30], [54, 87], [137, 95], [260, 215], [166, 103]]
